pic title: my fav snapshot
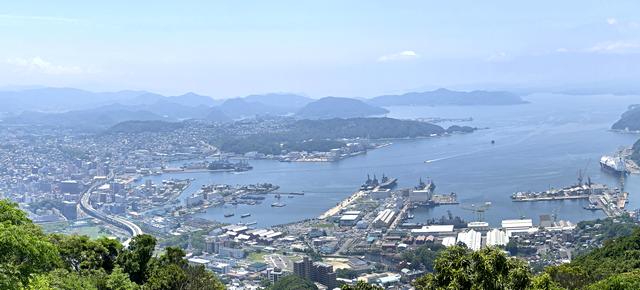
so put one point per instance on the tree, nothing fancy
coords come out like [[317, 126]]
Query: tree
[[24, 249], [62, 279], [171, 271], [630, 280], [119, 280], [30, 259], [459, 268], [544, 282], [361, 286], [617, 256], [82, 253], [293, 282], [12, 215], [135, 259], [423, 256]]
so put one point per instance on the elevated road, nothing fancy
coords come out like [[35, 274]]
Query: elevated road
[[119, 222]]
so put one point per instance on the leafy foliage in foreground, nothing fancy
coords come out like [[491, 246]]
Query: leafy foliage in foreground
[[293, 282], [30, 259], [459, 268], [617, 256]]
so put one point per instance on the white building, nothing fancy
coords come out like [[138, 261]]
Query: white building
[[449, 241], [433, 230], [497, 237], [348, 220], [518, 226], [472, 239]]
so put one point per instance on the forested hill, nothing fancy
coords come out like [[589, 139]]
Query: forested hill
[[373, 128], [630, 120], [636, 152], [444, 97], [332, 107], [324, 135]]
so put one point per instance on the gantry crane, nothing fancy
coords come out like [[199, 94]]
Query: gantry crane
[[479, 210]]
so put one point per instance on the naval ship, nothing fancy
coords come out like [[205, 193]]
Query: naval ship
[[385, 183]]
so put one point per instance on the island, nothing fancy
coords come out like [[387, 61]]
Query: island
[[332, 107], [629, 121], [445, 97]]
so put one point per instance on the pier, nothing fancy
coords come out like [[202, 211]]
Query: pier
[[342, 205], [547, 198]]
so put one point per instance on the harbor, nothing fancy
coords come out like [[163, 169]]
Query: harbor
[[523, 158], [611, 201]]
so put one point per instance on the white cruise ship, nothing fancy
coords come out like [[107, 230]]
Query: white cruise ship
[[614, 164]]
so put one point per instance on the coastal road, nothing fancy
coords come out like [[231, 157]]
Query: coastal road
[[116, 221]]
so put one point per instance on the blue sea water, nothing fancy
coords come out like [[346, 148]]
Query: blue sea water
[[538, 145]]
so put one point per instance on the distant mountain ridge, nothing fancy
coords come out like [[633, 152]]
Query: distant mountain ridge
[[333, 107], [71, 107], [91, 119], [443, 97]]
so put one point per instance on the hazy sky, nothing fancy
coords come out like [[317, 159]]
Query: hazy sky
[[341, 48]]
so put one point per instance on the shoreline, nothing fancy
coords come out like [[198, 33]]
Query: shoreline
[[343, 204]]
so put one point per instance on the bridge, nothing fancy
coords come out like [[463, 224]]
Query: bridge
[[119, 222]]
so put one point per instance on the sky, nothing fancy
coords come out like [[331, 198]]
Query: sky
[[317, 48]]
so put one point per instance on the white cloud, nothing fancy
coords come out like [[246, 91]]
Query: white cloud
[[621, 24], [403, 55], [498, 57], [618, 47], [38, 18], [37, 64]]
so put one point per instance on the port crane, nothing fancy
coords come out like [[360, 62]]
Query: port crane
[[479, 210], [583, 172]]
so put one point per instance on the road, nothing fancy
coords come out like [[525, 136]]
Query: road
[[116, 221], [278, 261]]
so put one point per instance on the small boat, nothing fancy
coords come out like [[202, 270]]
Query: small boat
[[229, 214], [591, 206], [277, 204], [244, 215]]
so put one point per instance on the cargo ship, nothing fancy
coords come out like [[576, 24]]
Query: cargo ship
[[613, 164]]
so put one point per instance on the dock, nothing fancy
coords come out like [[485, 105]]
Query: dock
[[548, 198], [342, 205]]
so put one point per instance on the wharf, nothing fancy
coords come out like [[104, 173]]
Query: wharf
[[547, 198], [285, 193], [342, 205], [400, 217]]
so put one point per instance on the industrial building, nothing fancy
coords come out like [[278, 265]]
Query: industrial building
[[384, 218], [518, 226], [433, 230]]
